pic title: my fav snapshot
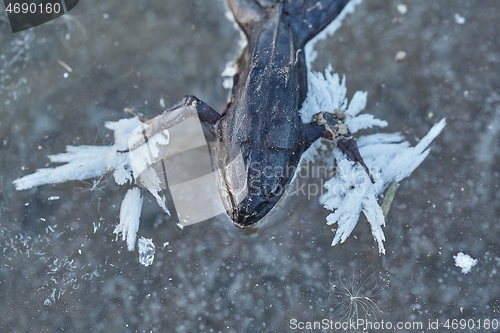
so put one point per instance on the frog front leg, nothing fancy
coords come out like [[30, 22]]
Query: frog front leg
[[331, 126], [190, 107], [171, 149]]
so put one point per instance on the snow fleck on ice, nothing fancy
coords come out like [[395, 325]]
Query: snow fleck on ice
[[84, 162], [146, 251], [402, 9], [400, 56], [465, 262], [459, 19]]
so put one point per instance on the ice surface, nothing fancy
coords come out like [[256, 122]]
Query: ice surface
[[311, 54], [389, 157], [464, 261]]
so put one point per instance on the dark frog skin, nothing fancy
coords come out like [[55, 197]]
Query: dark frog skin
[[261, 123]]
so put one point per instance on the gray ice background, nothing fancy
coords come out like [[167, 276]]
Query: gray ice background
[[61, 268]]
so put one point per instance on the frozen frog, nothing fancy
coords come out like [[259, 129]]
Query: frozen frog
[[259, 139], [261, 122]]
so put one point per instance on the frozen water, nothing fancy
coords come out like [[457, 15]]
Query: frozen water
[[311, 54], [215, 278]]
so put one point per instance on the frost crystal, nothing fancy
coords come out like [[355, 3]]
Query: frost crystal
[[465, 262], [84, 162], [459, 19], [146, 251], [130, 213], [388, 157]]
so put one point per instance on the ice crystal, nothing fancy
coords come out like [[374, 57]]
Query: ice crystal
[[146, 251], [130, 214], [388, 156]]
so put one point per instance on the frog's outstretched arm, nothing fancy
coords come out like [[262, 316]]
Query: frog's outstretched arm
[[189, 107]]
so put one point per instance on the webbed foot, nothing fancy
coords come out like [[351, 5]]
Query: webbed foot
[[333, 128]]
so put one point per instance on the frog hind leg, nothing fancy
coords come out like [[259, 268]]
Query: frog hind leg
[[190, 107], [309, 17], [247, 13]]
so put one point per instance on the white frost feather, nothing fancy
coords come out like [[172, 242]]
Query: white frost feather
[[130, 213], [84, 162], [328, 92]]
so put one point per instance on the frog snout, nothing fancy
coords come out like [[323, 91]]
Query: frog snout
[[249, 211]]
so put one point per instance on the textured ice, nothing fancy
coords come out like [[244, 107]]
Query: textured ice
[[464, 261], [389, 157], [311, 54], [144, 158]]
